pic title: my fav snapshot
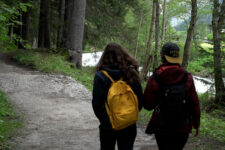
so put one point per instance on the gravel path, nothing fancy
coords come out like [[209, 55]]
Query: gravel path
[[57, 111]]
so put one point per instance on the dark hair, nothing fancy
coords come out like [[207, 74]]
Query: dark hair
[[115, 53]]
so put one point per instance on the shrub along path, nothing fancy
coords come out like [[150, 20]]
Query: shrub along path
[[57, 111]]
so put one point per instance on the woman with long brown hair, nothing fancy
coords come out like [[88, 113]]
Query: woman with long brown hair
[[117, 62]]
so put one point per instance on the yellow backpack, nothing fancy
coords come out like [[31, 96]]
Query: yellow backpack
[[121, 104]]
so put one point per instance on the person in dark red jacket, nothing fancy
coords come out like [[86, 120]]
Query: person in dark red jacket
[[170, 72]]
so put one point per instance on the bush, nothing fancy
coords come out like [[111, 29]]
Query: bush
[[9, 122]]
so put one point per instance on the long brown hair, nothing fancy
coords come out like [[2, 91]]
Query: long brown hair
[[115, 53]]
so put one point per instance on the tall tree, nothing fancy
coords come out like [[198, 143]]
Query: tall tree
[[218, 23], [139, 28], [157, 30], [44, 26], [60, 39], [163, 22], [25, 24], [190, 33], [75, 30], [149, 44]]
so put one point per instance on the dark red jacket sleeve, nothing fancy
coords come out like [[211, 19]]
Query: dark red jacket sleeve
[[150, 94], [192, 94]]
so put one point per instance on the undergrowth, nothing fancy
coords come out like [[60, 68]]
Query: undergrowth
[[9, 122]]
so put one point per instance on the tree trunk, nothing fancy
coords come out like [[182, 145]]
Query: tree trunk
[[76, 30], [11, 32], [17, 30], [149, 44], [217, 22], [157, 30], [190, 33], [66, 21], [139, 29], [60, 39], [44, 26], [163, 22], [25, 25]]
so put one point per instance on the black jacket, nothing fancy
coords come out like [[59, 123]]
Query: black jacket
[[100, 91]]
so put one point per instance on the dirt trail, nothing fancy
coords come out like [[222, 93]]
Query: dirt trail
[[57, 111]]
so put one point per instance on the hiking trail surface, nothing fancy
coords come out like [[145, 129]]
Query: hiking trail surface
[[56, 109]]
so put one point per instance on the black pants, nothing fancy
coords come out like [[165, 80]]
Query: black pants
[[125, 138], [171, 141]]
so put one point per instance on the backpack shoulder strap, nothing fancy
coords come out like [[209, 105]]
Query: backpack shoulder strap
[[106, 73], [156, 77], [185, 77]]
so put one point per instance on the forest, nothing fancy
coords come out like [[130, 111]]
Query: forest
[[52, 35]]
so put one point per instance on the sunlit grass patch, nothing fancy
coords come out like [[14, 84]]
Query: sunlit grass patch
[[206, 45]]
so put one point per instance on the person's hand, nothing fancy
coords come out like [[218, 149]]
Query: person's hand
[[197, 132]]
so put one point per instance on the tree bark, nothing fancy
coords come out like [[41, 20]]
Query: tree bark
[[76, 30], [66, 21], [44, 26], [11, 29], [17, 30], [60, 39], [163, 22], [157, 30], [190, 33], [25, 26], [25, 21], [139, 29], [217, 21], [148, 60]]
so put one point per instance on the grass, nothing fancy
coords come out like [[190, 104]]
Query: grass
[[53, 63], [9, 122]]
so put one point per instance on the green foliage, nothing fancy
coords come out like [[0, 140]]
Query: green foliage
[[6, 14], [210, 36], [9, 122], [202, 64], [213, 127], [9, 12], [207, 47]]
